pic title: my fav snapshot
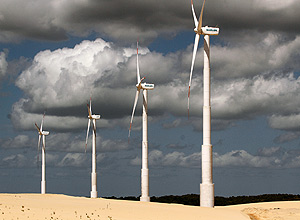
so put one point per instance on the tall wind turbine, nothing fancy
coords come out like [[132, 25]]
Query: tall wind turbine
[[92, 118], [42, 135], [207, 186], [144, 171]]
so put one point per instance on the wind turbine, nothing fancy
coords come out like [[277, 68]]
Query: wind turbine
[[42, 135], [206, 187], [144, 171], [92, 118]]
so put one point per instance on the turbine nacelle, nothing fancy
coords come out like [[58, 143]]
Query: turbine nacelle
[[45, 133], [96, 117], [208, 31], [41, 132], [147, 86]]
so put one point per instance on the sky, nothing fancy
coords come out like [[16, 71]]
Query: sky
[[55, 54]]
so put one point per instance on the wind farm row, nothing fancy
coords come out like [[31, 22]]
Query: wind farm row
[[207, 186]]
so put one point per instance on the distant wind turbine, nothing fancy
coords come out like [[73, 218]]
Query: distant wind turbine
[[144, 171], [207, 187], [42, 135], [92, 118]]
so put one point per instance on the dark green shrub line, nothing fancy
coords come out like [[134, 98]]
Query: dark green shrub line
[[194, 199]]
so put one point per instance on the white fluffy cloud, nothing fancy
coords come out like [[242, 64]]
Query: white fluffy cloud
[[20, 141], [241, 158], [73, 160], [68, 142], [286, 137], [61, 81], [285, 122], [3, 65], [17, 160], [158, 158], [259, 95], [274, 157]]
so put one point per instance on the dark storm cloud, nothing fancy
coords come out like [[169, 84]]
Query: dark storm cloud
[[52, 20], [262, 16], [125, 20], [29, 19]]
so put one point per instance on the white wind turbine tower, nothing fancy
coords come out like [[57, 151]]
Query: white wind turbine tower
[[144, 171], [92, 118], [207, 186], [42, 135]]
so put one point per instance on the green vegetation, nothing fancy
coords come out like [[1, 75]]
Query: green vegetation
[[194, 199]]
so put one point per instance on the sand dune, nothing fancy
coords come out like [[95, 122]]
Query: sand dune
[[49, 206], [270, 210]]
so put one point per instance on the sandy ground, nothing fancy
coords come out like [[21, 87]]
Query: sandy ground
[[270, 210], [49, 206]]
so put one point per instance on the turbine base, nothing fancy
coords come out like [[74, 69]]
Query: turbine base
[[94, 194], [43, 187], [207, 192], [145, 185], [145, 199]]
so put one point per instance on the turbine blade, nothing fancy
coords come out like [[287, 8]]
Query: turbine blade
[[194, 15], [142, 80], [89, 110], [39, 130], [200, 19], [87, 134], [134, 106], [42, 122], [91, 105], [37, 127], [197, 37], [137, 63]]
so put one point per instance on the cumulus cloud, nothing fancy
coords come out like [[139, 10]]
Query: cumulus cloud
[[74, 143], [270, 52], [259, 95], [158, 158], [20, 141], [286, 137], [274, 157], [73, 160], [17, 160], [3, 65], [59, 143], [62, 81], [241, 158], [285, 122]]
